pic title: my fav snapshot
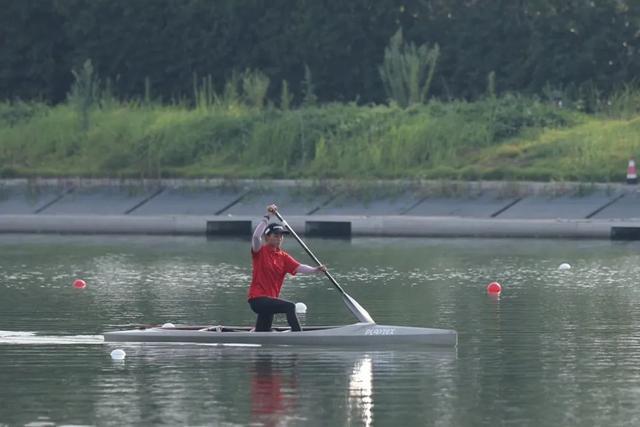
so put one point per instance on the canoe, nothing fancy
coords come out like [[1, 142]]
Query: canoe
[[357, 334], [364, 333]]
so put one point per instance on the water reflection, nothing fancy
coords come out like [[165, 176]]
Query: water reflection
[[361, 391], [278, 385], [273, 387]]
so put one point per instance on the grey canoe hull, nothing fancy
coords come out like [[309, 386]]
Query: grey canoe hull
[[358, 334]]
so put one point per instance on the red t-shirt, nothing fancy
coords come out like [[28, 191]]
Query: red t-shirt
[[270, 265]]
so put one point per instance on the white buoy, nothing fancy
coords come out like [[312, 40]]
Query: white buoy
[[168, 325], [564, 266], [301, 308], [118, 354]]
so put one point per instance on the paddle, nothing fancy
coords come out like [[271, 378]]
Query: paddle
[[356, 309]]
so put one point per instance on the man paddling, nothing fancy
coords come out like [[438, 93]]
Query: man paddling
[[270, 266]]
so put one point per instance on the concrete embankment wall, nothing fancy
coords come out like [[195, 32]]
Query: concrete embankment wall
[[394, 208], [327, 226]]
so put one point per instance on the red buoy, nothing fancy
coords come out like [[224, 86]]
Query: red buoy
[[494, 288], [79, 284]]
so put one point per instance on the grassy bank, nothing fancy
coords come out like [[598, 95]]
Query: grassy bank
[[510, 137]]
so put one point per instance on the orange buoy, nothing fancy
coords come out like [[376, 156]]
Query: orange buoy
[[494, 288], [79, 284]]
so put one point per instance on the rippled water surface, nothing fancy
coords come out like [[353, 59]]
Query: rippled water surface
[[557, 348]]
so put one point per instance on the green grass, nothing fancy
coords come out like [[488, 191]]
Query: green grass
[[508, 138]]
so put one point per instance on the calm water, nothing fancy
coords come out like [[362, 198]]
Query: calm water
[[558, 348]]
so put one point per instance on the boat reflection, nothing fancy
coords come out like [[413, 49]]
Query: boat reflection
[[279, 376], [282, 385]]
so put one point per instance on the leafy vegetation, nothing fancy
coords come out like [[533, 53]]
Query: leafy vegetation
[[309, 90], [407, 71], [584, 47], [508, 137]]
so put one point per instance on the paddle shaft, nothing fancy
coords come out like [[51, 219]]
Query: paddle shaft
[[356, 309], [308, 251]]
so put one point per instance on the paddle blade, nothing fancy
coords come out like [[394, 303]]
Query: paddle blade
[[361, 314]]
